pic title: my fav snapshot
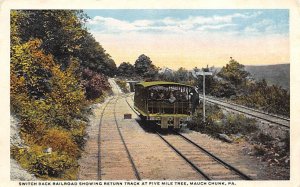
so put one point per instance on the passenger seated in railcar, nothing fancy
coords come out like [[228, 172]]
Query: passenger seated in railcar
[[161, 95], [181, 96], [171, 99]]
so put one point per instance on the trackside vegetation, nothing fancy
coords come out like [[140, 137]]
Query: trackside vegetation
[[232, 82], [123, 85], [217, 122], [57, 70]]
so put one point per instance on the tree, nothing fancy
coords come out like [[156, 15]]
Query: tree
[[60, 30], [64, 36], [126, 69], [54, 98], [234, 72], [166, 74], [181, 75], [144, 67], [93, 56]]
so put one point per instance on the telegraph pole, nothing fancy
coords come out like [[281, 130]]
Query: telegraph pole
[[204, 96], [203, 73]]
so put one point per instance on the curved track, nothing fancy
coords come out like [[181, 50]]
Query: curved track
[[271, 118], [248, 108]]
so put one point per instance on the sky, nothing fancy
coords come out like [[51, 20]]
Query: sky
[[191, 38]]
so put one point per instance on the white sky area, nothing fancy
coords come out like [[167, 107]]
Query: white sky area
[[250, 37]]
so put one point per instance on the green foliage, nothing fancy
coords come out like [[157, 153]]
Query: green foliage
[[41, 113], [15, 20], [271, 99], [60, 141], [126, 69], [64, 36], [32, 67], [122, 85], [92, 56], [60, 31], [67, 98], [181, 76], [238, 123], [54, 98], [234, 83], [78, 134], [43, 164], [234, 72], [222, 89], [219, 123], [145, 68], [50, 51]]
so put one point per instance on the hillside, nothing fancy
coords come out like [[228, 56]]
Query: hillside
[[274, 74]]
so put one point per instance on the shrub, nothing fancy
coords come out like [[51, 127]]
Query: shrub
[[122, 85], [43, 164], [61, 141], [48, 101], [78, 134], [239, 123], [219, 123], [95, 84]]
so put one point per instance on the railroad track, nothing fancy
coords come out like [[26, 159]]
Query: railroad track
[[136, 173], [208, 165], [271, 118], [248, 108], [114, 158], [205, 163], [99, 142]]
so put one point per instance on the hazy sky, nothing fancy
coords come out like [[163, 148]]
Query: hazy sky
[[193, 37]]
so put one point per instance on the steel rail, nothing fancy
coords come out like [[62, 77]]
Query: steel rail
[[99, 138], [244, 176], [176, 150], [248, 108], [271, 121], [185, 158], [240, 173], [131, 106], [136, 173]]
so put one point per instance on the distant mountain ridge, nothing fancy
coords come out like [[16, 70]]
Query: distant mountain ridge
[[278, 74]]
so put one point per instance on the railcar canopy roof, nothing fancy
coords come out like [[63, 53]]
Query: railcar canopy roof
[[161, 83]]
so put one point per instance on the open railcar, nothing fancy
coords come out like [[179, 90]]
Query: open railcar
[[169, 104]]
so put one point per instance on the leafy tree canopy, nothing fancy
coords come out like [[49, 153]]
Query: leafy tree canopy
[[64, 36], [144, 67], [126, 69], [234, 72]]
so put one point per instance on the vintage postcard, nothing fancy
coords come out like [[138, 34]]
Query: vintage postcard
[[150, 93]]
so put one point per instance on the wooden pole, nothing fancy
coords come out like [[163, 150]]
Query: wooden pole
[[203, 97]]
